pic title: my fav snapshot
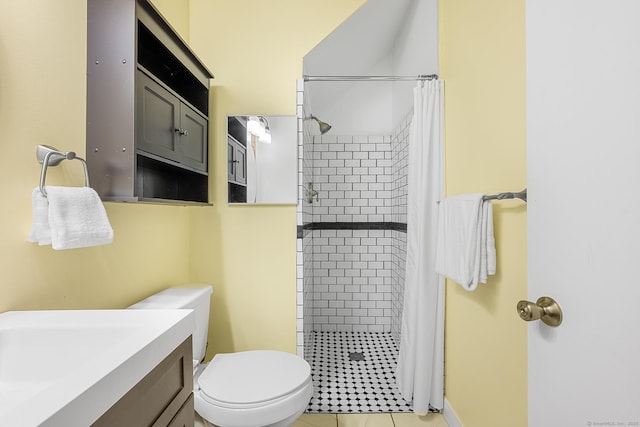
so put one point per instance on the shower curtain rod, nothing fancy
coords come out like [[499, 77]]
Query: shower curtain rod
[[368, 78]]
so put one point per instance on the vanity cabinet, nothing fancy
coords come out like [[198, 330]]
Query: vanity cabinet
[[163, 398], [147, 107]]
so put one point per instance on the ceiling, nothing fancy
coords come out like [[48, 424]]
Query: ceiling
[[369, 42], [362, 41]]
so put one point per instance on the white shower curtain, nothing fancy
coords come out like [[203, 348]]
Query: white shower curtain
[[420, 371]]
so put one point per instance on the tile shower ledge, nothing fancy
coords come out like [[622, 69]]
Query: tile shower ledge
[[396, 226]]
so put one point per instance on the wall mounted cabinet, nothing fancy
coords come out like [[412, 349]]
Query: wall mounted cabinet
[[236, 160], [147, 107]]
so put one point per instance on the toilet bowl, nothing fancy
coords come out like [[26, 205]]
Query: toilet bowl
[[260, 388]]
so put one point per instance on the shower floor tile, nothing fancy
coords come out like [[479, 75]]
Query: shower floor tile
[[354, 372]]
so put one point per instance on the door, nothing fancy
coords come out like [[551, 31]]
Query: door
[[583, 143]]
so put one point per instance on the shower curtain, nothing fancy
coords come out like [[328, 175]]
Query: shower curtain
[[420, 370]]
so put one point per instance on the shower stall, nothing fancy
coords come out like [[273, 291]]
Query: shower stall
[[352, 238]]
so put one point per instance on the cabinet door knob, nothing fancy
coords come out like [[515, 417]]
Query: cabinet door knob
[[181, 131]]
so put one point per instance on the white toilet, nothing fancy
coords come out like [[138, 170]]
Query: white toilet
[[245, 389]]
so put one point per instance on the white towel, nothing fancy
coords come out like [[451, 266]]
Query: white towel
[[75, 218], [40, 232], [466, 246]]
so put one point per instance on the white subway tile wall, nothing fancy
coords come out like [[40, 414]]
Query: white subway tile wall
[[304, 269], [351, 279], [352, 272], [305, 176], [400, 150], [353, 176]]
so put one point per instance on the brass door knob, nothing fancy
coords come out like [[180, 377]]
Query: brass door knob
[[545, 309]]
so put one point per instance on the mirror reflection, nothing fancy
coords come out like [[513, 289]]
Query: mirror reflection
[[262, 159]]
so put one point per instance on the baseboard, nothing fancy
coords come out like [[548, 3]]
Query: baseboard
[[450, 415]]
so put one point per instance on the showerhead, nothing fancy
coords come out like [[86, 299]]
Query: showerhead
[[324, 127]]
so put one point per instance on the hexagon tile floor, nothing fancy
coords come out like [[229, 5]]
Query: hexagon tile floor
[[354, 372]]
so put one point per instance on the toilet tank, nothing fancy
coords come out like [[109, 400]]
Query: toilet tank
[[195, 298]]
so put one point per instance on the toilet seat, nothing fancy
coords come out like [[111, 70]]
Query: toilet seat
[[253, 388], [252, 378]]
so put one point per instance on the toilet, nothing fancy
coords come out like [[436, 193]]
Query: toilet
[[259, 388]]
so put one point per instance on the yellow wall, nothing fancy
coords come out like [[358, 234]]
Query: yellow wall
[[255, 49], [247, 253], [177, 13], [42, 101], [482, 50]]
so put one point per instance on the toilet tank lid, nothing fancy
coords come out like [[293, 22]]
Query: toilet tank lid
[[175, 298]]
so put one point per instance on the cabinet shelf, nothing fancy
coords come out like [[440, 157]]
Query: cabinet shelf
[[165, 67]]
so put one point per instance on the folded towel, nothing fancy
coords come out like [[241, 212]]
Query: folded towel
[[466, 246], [76, 218]]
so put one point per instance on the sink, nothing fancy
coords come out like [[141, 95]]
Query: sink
[[67, 367]]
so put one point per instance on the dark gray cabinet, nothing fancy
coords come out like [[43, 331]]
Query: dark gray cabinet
[[147, 107], [236, 159], [169, 128], [237, 162]]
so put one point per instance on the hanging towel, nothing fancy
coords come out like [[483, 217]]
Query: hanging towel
[[76, 218], [40, 232], [487, 244], [466, 246]]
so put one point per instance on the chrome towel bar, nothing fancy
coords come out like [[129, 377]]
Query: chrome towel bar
[[522, 195], [501, 196], [50, 156]]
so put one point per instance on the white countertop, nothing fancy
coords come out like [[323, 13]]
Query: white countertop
[[66, 368]]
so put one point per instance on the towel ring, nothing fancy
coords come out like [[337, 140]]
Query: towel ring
[[50, 156]]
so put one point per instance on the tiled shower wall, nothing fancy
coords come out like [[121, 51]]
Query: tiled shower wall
[[304, 219], [400, 150], [352, 238], [353, 176]]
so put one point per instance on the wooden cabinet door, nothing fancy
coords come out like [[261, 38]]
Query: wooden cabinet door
[[236, 162], [157, 117], [159, 397], [186, 416], [192, 138], [231, 170]]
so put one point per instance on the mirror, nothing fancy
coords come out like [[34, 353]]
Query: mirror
[[262, 159]]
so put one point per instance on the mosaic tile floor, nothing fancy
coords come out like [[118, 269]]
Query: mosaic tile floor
[[354, 372]]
